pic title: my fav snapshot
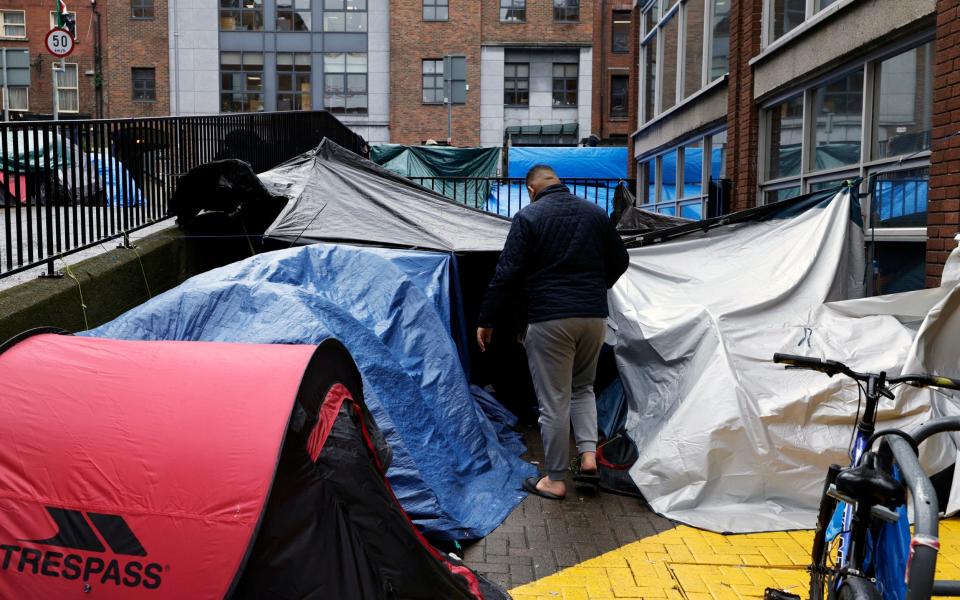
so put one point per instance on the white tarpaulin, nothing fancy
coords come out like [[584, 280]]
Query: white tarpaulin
[[728, 440]]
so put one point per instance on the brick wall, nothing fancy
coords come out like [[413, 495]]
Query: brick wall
[[944, 203], [606, 64], [135, 43], [539, 27], [634, 92], [742, 113], [37, 19], [411, 41]]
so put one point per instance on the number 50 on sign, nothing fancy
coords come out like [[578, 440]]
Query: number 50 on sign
[[59, 43]]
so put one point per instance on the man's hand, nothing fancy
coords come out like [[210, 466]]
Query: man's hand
[[484, 337]]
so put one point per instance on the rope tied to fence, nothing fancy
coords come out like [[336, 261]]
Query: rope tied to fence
[[83, 306]]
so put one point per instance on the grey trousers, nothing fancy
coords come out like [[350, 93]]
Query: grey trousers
[[562, 356]]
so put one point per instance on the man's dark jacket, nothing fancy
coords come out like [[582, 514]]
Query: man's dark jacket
[[561, 256]]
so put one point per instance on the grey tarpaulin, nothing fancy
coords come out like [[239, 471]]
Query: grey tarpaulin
[[337, 196], [729, 441]]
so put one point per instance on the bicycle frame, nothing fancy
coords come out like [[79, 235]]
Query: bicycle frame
[[851, 552]]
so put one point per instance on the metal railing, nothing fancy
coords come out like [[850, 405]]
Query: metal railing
[[507, 195], [67, 186]]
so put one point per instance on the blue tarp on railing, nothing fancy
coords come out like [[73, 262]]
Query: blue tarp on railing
[[601, 162], [455, 467]]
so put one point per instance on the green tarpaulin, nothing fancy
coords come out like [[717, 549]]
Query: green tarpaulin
[[35, 151], [443, 168]]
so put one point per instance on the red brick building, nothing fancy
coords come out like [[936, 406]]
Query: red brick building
[[23, 26], [137, 70], [784, 97], [613, 77]]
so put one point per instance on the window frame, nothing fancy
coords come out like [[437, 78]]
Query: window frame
[[812, 8], [26, 90], [239, 11], [142, 6], [438, 62], [245, 93], [3, 25], [867, 166], [53, 21], [565, 78], [75, 89], [134, 81], [346, 11], [561, 13], [296, 94], [658, 204], [514, 79], [613, 30], [436, 5], [618, 116], [291, 10], [346, 75], [515, 6]]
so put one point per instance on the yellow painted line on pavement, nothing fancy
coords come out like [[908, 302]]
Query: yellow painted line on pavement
[[691, 564]]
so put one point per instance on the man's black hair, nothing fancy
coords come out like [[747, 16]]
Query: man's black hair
[[537, 169]]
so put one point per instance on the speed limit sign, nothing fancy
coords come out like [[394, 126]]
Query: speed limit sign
[[59, 43]]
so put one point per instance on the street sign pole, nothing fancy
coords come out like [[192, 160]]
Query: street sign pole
[[6, 89], [56, 93]]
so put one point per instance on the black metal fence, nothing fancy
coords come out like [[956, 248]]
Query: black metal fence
[[66, 186], [507, 195]]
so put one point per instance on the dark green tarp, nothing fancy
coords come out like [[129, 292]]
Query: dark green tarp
[[443, 168], [35, 151]]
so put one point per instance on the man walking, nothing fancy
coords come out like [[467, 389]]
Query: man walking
[[562, 255]]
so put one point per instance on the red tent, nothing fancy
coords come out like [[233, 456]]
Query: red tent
[[200, 470]]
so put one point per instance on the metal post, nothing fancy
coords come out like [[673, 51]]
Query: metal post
[[6, 90], [56, 90]]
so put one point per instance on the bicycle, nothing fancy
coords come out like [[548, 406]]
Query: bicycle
[[872, 495]]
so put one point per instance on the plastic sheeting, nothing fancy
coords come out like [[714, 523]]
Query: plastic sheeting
[[441, 162], [600, 162], [728, 440], [336, 196], [451, 471]]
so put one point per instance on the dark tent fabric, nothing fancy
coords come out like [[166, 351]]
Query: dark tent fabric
[[337, 196], [456, 470], [201, 470], [631, 220], [443, 163]]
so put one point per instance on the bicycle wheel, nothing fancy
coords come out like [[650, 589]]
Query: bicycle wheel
[[823, 553], [858, 588]]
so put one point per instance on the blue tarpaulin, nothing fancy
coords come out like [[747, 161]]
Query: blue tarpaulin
[[456, 467], [601, 162]]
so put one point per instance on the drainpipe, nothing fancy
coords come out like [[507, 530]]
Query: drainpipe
[[97, 61], [175, 96]]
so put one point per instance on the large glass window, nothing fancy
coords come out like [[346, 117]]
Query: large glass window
[[293, 15], [433, 81], [900, 198], [783, 16], [619, 95], [241, 15], [293, 81], [436, 10], [678, 183], [902, 103], [650, 79], [69, 89], [513, 11], [621, 32], [516, 84], [566, 11], [720, 38], [144, 84], [345, 82], [668, 70], [693, 34], [565, 84], [13, 24], [241, 81], [786, 138], [838, 109], [349, 16]]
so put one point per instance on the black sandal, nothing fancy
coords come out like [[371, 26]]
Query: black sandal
[[530, 485]]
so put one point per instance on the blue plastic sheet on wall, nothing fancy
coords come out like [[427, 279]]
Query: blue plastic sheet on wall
[[456, 469]]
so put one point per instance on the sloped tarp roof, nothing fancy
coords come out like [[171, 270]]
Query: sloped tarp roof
[[171, 450], [456, 469], [632, 220], [336, 196]]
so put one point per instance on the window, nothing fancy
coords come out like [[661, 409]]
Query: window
[[692, 36], [719, 42], [513, 11], [565, 84], [141, 9], [349, 16], [293, 15], [650, 79], [69, 21], [668, 66], [13, 24], [783, 16], [241, 81], [19, 99], [621, 32], [678, 182], [241, 15], [619, 95], [432, 81], [436, 10], [345, 82], [904, 86], [516, 84], [68, 90], [144, 84], [822, 136], [566, 11], [293, 81]]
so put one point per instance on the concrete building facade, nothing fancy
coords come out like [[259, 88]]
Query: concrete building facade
[[784, 97]]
